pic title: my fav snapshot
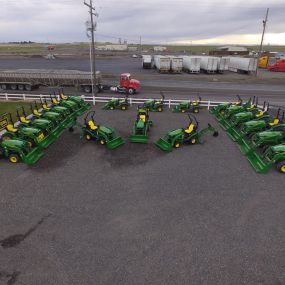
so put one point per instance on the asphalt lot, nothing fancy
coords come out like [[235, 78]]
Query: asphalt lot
[[136, 215]]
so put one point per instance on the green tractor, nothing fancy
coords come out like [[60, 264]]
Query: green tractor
[[141, 126], [221, 108], [47, 113], [154, 105], [255, 114], [117, 103], [273, 155], [34, 136], [251, 127], [77, 99], [19, 150], [72, 106], [104, 135], [189, 135], [188, 106], [43, 124]]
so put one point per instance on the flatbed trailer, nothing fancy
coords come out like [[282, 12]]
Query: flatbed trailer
[[27, 80]]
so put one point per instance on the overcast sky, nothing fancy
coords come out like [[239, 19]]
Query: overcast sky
[[157, 21]]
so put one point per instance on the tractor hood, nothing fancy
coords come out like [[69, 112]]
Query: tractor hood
[[28, 130], [175, 133], [52, 114], [14, 144], [268, 134], [278, 148], [243, 115], [42, 122], [254, 123]]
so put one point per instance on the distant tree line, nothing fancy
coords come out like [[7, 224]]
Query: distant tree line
[[22, 43]]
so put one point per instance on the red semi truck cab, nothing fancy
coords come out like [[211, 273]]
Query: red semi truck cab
[[278, 66], [130, 85]]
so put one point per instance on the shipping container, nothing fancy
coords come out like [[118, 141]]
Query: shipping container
[[243, 65], [223, 64], [162, 63], [191, 64], [147, 61], [209, 64]]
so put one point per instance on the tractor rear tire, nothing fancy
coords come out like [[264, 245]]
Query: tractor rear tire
[[102, 142], [7, 137], [159, 109], [14, 158], [123, 108], [281, 167]]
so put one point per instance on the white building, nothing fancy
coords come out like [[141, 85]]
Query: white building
[[232, 48], [114, 47], [159, 48]]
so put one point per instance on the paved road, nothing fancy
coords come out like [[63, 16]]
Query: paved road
[[85, 215]]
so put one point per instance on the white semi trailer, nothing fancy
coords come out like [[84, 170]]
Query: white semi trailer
[[147, 61], [191, 64], [176, 65], [209, 64], [162, 63], [242, 64], [223, 64]]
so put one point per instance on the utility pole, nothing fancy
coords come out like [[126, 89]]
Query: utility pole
[[262, 39], [92, 13], [140, 46]]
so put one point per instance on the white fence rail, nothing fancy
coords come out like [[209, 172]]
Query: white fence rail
[[95, 99]]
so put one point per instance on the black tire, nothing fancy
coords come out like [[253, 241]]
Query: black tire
[[71, 129], [14, 158], [31, 142], [13, 87], [21, 87], [28, 87], [131, 91], [281, 166], [7, 137], [3, 87], [87, 89]]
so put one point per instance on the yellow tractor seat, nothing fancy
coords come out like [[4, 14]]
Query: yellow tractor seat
[[24, 120], [54, 101], [10, 128], [142, 118], [92, 126], [37, 113], [63, 97], [274, 122], [45, 107], [259, 114], [190, 129]]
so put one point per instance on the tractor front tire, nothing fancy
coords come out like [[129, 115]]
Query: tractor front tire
[[123, 108], [14, 158], [88, 137], [102, 142], [159, 109], [177, 145], [281, 167]]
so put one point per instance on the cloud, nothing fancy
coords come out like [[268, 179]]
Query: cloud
[[164, 21]]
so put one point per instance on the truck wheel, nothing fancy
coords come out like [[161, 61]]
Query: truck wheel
[[13, 86], [28, 87], [87, 89], [14, 158], [131, 91], [3, 87], [21, 87], [281, 166]]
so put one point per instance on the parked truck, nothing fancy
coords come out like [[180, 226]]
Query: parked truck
[[162, 63], [279, 66], [243, 65], [147, 61], [209, 64], [191, 64]]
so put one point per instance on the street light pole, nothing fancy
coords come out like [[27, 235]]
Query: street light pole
[[93, 56]]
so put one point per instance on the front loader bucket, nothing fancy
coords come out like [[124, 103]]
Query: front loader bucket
[[225, 124], [257, 163], [234, 134], [138, 139], [244, 146], [118, 141], [164, 145], [33, 156], [82, 110]]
